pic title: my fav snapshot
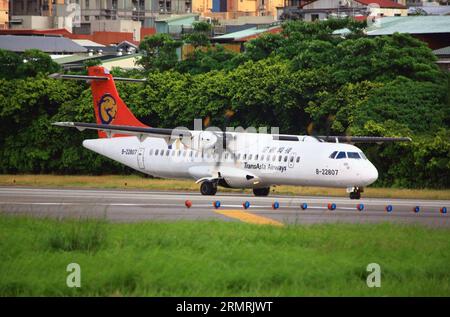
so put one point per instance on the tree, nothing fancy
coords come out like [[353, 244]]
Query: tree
[[263, 46], [9, 64], [200, 35], [160, 52], [36, 62], [29, 64]]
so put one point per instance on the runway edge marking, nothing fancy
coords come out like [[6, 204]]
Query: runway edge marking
[[248, 217]]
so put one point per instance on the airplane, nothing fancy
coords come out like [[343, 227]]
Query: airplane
[[221, 158]]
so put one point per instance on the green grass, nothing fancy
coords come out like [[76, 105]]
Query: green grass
[[209, 258], [138, 182]]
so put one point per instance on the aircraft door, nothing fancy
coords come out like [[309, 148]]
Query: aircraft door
[[140, 158]]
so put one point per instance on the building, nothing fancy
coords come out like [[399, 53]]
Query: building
[[233, 9], [323, 9], [434, 30], [53, 45], [235, 41], [127, 16], [4, 14], [443, 56], [175, 24]]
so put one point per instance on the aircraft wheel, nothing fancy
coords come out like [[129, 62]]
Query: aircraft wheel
[[355, 194], [261, 191], [208, 188]]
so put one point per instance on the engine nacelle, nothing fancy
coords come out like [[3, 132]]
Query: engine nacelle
[[238, 178]]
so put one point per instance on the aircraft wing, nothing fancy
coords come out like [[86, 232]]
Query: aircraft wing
[[362, 139], [140, 132]]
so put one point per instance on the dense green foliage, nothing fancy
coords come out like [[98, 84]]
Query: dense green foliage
[[305, 80], [218, 258]]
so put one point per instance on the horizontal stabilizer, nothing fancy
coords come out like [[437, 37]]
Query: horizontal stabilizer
[[94, 78]]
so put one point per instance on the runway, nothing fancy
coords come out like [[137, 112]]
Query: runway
[[138, 205]]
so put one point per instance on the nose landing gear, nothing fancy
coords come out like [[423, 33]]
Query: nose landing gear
[[355, 193]]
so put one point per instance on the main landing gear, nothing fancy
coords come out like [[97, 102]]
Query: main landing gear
[[208, 188], [356, 193], [261, 191]]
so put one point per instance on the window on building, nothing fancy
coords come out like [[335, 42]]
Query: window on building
[[314, 17]]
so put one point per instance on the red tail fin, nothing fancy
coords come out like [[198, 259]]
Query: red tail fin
[[108, 107]]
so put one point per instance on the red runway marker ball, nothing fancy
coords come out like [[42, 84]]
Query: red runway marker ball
[[188, 203]]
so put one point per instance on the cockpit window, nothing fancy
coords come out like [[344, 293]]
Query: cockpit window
[[363, 155], [341, 155], [353, 155], [333, 154]]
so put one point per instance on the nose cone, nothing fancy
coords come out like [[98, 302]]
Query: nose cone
[[371, 174]]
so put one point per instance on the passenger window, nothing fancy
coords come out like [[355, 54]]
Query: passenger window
[[156, 152], [262, 157], [333, 155], [167, 152], [341, 155], [179, 152], [298, 159], [256, 157], [245, 156], [353, 155], [274, 158], [285, 158], [238, 156], [191, 153], [151, 152], [279, 158], [161, 152], [250, 157], [291, 159]]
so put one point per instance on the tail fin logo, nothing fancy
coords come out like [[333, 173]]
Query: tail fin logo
[[107, 108]]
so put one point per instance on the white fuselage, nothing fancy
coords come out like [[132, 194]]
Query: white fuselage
[[258, 161]]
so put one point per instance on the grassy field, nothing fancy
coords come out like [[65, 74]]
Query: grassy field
[[220, 259], [137, 182]]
